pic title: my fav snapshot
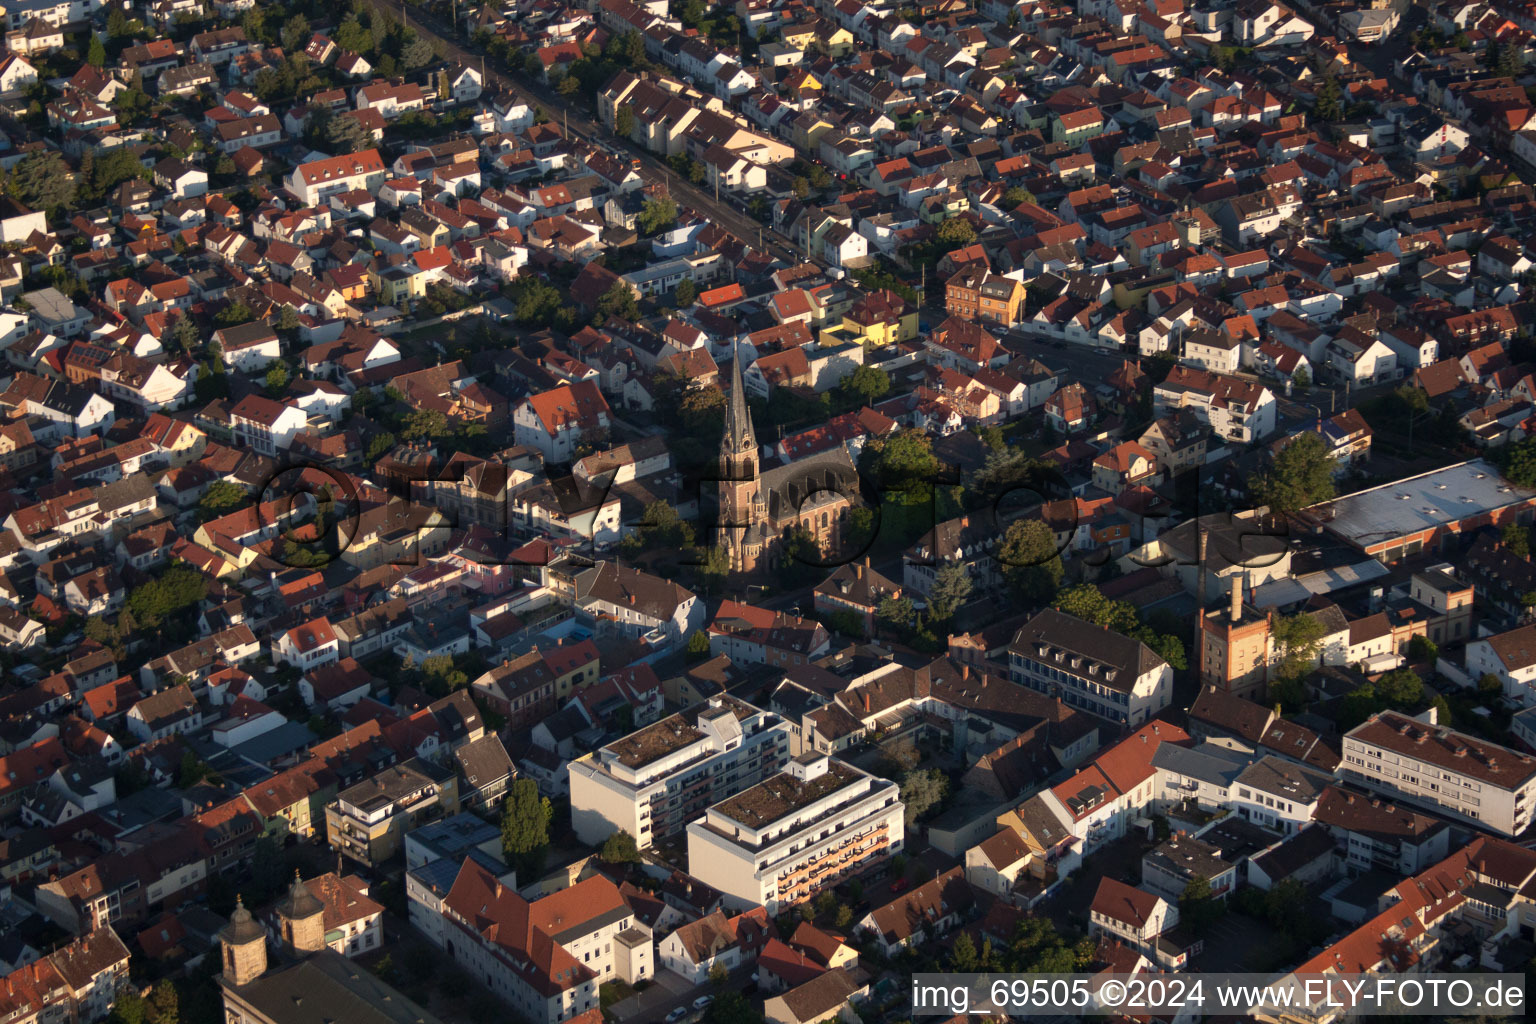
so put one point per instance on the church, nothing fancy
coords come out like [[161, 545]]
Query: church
[[758, 509], [314, 984]]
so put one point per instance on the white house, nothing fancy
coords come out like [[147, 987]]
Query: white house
[[1510, 658], [556, 421], [309, 646], [1134, 915]]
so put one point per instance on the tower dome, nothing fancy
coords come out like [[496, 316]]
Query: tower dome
[[301, 918], [244, 944]]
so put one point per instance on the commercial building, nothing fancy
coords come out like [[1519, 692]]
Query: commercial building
[[654, 781], [1457, 775], [804, 830], [1424, 512]]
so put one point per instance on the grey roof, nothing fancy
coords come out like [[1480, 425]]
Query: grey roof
[[1296, 852], [1186, 856], [53, 306], [1427, 501], [1208, 763], [325, 988], [738, 436], [1112, 658], [1287, 779]]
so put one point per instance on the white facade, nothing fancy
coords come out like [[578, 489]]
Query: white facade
[[803, 830], [655, 780], [1455, 774], [1497, 656]]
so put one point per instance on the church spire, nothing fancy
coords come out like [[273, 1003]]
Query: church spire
[[738, 436]]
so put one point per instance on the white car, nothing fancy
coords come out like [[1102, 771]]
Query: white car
[[703, 1001], [677, 1014]]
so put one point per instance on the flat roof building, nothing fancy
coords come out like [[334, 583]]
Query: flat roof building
[[1422, 512], [805, 829], [655, 780]]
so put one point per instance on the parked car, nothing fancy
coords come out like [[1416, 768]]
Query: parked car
[[677, 1014], [703, 1001]]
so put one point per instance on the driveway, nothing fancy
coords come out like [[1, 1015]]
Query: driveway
[[669, 991]]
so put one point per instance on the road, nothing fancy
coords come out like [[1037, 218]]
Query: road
[[1084, 364], [580, 125], [668, 992]]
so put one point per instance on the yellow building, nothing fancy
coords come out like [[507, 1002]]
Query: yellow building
[[879, 318]]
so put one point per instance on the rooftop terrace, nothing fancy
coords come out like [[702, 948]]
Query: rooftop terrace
[[782, 795]]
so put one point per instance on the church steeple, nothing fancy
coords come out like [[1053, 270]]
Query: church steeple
[[742, 513], [738, 436]]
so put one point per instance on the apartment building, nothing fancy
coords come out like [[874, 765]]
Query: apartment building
[[656, 780], [1234, 408], [975, 294], [368, 821], [1090, 668], [1457, 775], [803, 830], [319, 179]]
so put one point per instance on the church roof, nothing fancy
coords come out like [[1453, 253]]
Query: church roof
[[738, 436]]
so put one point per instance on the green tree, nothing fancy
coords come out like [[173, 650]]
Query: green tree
[[1517, 539], [1297, 640], [921, 791], [1300, 475], [1198, 908], [346, 134], [42, 180], [620, 848], [427, 423], [956, 233], [182, 335], [233, 315], [378, 446], [1087, 602], [962, 954], [1330, 104], [624, 123], [661, 527], [221, 498], [163, 1005], [1422, 648], [951, 587], [866, 385], [1489, 685], [1301, 378], [296, 34], [128, 1007], [714, 570], [1016, 195], [416, 53], [525, 819], [1031, 560], [698, 646], [277, 380], [895, 613], [1401, 688], [618, 301], [96, 53], [686, 293], [175, 590]]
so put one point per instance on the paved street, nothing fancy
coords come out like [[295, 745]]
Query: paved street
[[669, 991]]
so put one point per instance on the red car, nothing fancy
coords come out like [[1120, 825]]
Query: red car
[[898, 885]]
